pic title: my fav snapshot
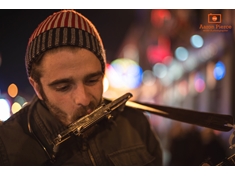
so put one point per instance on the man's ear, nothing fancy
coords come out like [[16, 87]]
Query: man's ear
[[36, 87]]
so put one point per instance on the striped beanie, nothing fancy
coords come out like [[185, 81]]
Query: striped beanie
[[64, 28]]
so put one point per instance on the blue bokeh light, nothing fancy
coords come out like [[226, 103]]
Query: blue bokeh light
[[196, 41], [181, 53], [219, 70]]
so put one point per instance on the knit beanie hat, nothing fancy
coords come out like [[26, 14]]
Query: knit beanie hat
[[64, 28]]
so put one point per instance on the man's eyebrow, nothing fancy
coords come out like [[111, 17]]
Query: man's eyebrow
[[98, 73], [69, 80], [59, 81]]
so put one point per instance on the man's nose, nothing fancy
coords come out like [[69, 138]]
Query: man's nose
[[81, 95]]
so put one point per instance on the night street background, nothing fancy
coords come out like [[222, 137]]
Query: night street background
[[16, 26]]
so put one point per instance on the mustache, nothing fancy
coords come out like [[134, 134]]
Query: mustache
[[83, 110]]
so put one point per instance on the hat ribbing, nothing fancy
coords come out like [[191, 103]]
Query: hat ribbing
[[64, 28]]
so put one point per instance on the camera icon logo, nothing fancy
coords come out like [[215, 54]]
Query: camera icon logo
[[214, 18]]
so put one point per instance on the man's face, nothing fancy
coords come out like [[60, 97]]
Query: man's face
[[71, 83]]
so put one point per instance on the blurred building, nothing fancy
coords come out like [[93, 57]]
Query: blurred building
[[183, 58]]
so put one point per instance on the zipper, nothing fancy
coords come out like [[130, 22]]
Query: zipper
[[91, 157], [85, 147]]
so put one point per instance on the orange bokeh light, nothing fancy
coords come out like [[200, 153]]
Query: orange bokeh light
[[12, 90]]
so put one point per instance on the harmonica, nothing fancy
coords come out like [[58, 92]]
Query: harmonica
[[87, 121]]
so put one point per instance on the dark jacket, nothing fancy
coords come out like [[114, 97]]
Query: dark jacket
[[26, 138]]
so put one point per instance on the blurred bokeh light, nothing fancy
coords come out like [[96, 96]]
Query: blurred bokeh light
[[160, 70], [148, 78], [15, 107], [159, 17], [199, 82], [105, 84], [12, 90], [197, 41], [4, 109], [181, 53], [219, 70], [124, 74]]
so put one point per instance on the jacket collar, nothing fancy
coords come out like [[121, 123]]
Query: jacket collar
[[48, 126]]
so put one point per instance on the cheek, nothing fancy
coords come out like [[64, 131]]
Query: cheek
[[62, 102], [98, 89], [58, 100], [55, 98], [95, 92]]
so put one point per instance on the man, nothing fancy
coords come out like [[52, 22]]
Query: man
[[65, 62]]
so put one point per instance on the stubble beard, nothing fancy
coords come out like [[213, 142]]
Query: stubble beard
[[62, 116]]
